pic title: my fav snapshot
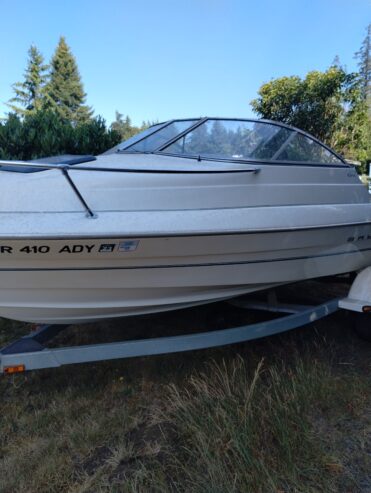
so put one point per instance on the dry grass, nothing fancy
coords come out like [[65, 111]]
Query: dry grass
[[284, 414]]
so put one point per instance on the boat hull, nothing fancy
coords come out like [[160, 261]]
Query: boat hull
[[73, 281]]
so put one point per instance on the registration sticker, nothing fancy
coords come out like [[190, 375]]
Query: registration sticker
[[128, 246], [107, 247]]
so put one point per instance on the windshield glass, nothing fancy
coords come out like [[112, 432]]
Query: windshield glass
[[231, 139], [160, 137], [148, 131], [302, 148]]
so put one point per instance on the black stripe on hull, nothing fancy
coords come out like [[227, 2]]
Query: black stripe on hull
[[182, 266]]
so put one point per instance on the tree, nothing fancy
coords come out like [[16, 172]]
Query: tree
[[123, 126], [313, 104], [329, 105], [352, 134], [46, 133], [364, 64], [93, 137], [336, 62], [357, 122], [64, 92], [29, 94]]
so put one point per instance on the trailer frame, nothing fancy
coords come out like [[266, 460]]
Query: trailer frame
[[31, 353]]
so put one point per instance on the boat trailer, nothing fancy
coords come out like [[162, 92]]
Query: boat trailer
[[31, 353]]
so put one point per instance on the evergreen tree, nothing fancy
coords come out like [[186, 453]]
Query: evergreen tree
[[29, 94], [64, 92], [349, 136], [198, 141], [219, 139], [46, 133], [123, 126], [364, 64], [336, 62]]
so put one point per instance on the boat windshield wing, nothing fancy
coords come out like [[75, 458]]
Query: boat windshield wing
[[161, 135], [141, 135], [302, 148]]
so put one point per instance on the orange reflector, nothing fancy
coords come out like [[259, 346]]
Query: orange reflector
[[14, 369], [366, 309]]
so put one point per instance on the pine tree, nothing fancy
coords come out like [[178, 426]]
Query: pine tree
[[29, 94], [364, 64], [64, 92], [336, 62], [123, 126]]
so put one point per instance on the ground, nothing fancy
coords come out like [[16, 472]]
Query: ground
[[290, 413]]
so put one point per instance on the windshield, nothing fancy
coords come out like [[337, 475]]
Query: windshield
[[228, 139]]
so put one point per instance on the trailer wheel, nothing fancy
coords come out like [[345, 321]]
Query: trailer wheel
[[362, 325]]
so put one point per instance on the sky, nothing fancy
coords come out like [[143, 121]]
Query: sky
[[162, 59]]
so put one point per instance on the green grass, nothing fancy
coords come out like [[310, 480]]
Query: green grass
[[245, 430], [290, 413]]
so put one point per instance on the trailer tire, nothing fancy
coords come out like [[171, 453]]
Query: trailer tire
[[362, 326]]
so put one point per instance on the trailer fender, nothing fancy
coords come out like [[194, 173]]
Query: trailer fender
[[359, 297]]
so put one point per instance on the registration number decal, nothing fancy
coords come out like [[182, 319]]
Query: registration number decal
[[122, 246]]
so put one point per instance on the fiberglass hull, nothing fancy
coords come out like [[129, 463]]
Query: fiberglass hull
[[82, 279]]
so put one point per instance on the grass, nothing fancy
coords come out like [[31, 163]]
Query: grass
[[290, 413]]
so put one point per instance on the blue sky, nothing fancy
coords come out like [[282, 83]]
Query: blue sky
[[162, 59]]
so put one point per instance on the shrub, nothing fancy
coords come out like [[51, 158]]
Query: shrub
[[45, 133]]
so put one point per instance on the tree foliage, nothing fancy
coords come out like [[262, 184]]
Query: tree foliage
[[352, 132], [45, 133], [334, 106], [64, 92], [329, 105], [364, 63], [313, 104], [29, 94], [123, 125], [57, 86]]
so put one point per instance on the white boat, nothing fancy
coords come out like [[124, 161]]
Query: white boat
[[187, 212]]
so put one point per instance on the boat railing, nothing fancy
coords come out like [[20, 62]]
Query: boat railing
[[66, 168]]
